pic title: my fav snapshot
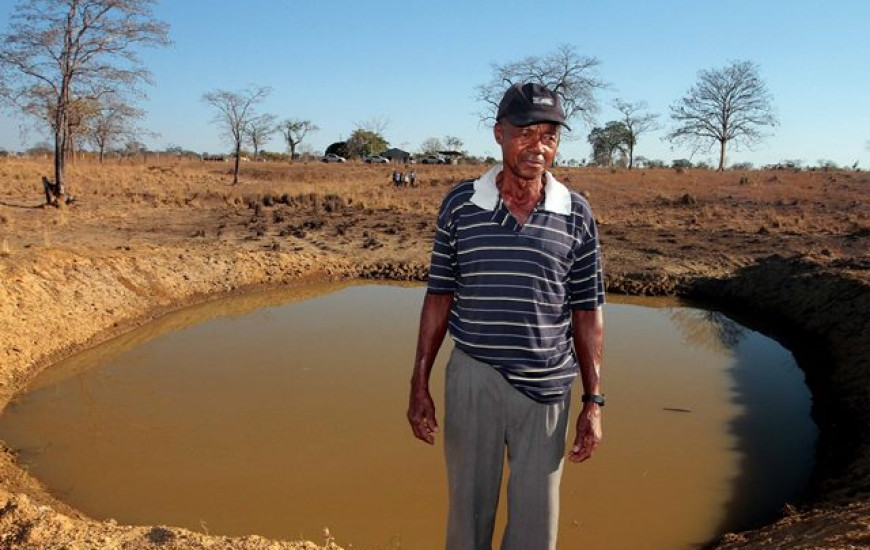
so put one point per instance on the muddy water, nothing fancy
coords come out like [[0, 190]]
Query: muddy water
[[282, 414]]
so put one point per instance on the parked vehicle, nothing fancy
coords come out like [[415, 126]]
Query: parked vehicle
[[377, 159], [432, 159], [332, 157]]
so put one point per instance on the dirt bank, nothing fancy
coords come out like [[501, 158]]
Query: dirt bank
[[788, 251]]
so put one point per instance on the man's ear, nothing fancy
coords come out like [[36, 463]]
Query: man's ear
[[498, 132]]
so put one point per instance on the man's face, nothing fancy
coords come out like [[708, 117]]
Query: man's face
[[527, 151]]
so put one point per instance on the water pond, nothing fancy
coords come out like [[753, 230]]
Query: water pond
[[282, 414]]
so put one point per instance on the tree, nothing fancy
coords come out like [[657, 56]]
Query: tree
[[362, 143], [260, 129], [725, 105], [607, 141], [567, 73], [235, 113], [453, 143], [77, 50], [338, 148], [636, 121], [294, 131], [431, 146], [111, 123]]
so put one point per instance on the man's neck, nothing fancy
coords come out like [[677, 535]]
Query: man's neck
[[520, 195]]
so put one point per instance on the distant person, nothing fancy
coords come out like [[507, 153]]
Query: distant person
[[396, 180], [411, 178], [516, 278]]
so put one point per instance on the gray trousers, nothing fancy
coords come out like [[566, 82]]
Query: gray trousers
[[484, 415]]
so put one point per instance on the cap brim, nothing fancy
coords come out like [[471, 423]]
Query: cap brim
[[532, 118]]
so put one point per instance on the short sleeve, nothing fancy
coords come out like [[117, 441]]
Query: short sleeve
[[586, 277], [443, 264]]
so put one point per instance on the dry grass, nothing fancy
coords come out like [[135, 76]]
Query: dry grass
[[186, 198]]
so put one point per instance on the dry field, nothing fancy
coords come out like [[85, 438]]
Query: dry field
[[788, 251]]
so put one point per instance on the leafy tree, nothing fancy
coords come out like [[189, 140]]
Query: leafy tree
[[338, 148], [75, 50], [564, 71], [726, 105], [607, 141], [679, 164], [636, 121], [363, 143], [294, 131], [259, 130], [235, 113]]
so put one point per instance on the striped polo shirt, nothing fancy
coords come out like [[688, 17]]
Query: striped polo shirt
[[515, 286]]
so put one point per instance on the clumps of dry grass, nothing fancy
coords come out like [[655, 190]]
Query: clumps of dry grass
[[746, 180]]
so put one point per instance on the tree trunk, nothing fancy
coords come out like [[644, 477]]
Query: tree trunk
[[59, 159], [292, 150], [722, 155], [630, 157], [236, 169]]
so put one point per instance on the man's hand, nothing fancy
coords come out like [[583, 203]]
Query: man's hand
[[421, 415], [589, 433]]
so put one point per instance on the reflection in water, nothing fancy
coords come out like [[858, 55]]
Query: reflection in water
[[710, 329], [282, 414]]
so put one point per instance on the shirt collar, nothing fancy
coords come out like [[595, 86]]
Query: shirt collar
[[557, 197]]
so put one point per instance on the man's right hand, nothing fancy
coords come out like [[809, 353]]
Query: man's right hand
[[421, 415]]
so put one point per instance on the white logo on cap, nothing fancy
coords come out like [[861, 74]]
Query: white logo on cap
[[543, 101]]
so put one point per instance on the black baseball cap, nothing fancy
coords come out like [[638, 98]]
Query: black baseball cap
[[530, 103]]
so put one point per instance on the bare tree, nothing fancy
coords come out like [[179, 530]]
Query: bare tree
[[569, 74], [76, 49], [453, 143], [111, 124], [235, 112], [377, 125], [260, 130], [636, 121], [431, 146], [294, 131], [725, 105]]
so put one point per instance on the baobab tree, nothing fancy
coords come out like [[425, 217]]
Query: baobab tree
[[235, 113], [726, 105], [77, 50]]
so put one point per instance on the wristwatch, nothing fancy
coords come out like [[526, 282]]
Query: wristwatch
[[593, 398]]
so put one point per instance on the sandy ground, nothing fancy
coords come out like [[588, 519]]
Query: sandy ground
[[786, 252]]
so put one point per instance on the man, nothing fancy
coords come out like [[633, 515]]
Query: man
[[516, 277]]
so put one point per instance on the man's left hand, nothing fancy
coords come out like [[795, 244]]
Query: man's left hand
[[589, 433]]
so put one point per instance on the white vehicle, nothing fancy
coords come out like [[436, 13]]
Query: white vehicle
[[432, 159], [377, 159], [332, 157]]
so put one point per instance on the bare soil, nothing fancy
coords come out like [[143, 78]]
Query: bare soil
[[788, 252]]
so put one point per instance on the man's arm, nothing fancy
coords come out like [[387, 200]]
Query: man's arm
[[588, 333], [433, 327]]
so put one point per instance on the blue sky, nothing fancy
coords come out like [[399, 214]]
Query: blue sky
[[416, 64]]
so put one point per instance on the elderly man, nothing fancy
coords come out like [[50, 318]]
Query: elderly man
[[516, 277]]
